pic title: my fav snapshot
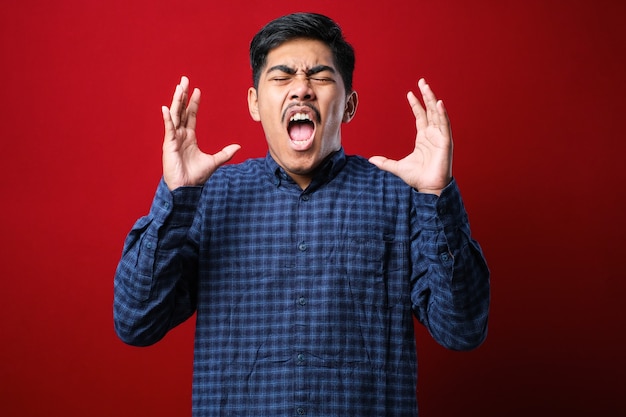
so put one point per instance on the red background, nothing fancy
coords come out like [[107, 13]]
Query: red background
[[536, 94]]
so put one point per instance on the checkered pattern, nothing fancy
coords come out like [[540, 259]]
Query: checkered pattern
[[304, 299]]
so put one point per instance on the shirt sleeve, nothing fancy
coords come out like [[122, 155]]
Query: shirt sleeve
[[450, 277], [156, 281]]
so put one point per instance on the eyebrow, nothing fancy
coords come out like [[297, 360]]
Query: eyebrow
[[292, 71]]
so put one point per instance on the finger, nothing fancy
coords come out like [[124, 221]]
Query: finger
[[184, 85], [192, 109], [385, 164], [430, 103], [179, 101], [176, 106], [170, 130], [421, 121], [184, 82], [443, 115], [226, 154]]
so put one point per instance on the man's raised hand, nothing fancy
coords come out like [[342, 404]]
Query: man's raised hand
[[428, 168], [184, 164]]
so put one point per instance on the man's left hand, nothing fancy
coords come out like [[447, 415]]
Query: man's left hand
[[428, 168]]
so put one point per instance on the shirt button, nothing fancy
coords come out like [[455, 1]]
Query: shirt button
[[302, 246], [302, 301], [305, 198], [300, 411], [445, 257], [300, 357]]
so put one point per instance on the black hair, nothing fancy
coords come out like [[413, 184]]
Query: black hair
[[302, 25]]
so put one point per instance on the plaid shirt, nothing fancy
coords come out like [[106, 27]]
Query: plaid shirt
[[304, 299]]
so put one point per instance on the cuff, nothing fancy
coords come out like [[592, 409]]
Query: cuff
[[179, 206]]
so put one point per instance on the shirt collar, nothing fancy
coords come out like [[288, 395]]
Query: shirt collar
[[327, 170]]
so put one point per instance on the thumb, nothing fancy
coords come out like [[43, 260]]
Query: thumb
[[385, 164], [226, 154]]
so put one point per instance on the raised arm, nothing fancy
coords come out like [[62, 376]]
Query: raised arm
[[156, 278], [451, 290]]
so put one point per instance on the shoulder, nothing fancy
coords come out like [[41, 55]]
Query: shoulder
[[359, 168], [251, 170], [248, 167]]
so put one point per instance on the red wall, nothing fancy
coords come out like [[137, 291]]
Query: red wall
[[536, 94]]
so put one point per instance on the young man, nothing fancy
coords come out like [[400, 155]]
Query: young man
[[305, 267]]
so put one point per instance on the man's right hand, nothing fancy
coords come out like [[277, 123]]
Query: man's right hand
[[184, 164]]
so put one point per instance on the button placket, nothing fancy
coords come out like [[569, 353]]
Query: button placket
[[304, 239]]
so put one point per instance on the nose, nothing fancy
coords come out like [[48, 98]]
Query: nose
[[301, 88]]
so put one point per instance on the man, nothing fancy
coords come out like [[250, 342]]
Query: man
[[305, 267]]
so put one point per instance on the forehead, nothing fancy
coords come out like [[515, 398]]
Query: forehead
[[300, 53]]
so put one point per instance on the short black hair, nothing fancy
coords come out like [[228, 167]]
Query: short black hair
[[302, 25]]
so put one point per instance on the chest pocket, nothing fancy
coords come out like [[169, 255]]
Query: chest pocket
[[377, 272]]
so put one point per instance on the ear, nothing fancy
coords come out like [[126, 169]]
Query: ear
[[253, 104], [351, 105]]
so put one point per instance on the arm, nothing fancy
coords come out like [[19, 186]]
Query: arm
[[450, 278], [156, 279]]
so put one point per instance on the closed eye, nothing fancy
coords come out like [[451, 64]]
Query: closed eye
[[320, 75], [321, 80]]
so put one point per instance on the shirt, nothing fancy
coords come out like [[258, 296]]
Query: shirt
[[304, 299]]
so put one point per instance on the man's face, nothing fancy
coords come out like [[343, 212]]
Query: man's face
[[301, 102]]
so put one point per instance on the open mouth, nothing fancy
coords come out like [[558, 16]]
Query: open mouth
[[300, 128]]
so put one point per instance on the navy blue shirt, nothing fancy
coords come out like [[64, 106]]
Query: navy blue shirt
[[304, 298]]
